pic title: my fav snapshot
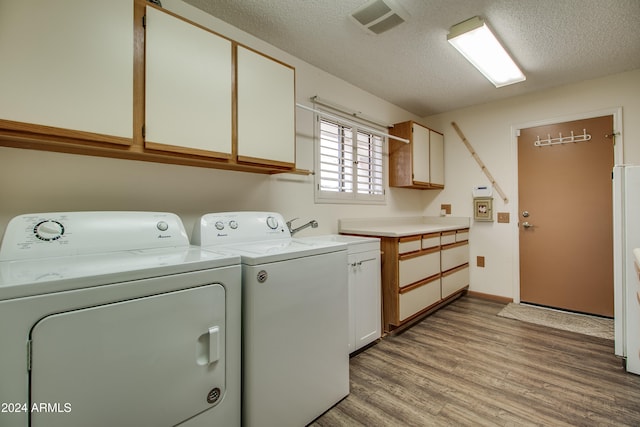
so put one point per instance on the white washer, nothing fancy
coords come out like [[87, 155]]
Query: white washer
[[113, 319], [294, 296]]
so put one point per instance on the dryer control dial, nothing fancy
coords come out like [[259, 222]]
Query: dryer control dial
[[233, 224], [272, 222], [219, 225], [48, 230]]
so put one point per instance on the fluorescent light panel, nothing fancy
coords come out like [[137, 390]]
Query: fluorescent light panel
[[475, 41]]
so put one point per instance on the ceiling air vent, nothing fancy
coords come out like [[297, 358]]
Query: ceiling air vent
[[378, 16]]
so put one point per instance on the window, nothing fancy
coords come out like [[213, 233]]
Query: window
[[349, 164]]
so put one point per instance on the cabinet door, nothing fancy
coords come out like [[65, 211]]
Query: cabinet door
[[417, 299], [65, 69], [436, 158], [188, 87], [454, 255], [266, 110], [454, 280], [420, 158], [413, 269], [364, 299]]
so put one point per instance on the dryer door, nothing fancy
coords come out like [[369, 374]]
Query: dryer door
[[153, 361]]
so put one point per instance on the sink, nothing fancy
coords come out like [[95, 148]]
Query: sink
[[354, 243]]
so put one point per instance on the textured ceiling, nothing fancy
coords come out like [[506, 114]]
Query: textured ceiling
[[555, 42]]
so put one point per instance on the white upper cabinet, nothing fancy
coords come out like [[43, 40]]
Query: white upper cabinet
[[68, 66], [436, 158], [188, 87], [420, 163], [266, 110], [420, 155]]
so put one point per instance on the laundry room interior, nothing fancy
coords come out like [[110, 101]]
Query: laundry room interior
[[49, 167]]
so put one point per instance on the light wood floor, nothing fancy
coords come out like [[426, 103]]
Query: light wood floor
[[465, 366]]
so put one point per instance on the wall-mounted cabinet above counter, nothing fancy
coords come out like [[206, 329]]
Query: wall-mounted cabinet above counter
[[140, 82], [420, 163]]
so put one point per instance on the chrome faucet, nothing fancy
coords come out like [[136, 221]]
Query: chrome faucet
[[313, 224]]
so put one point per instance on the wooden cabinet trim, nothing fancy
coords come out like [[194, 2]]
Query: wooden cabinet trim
[[9, 128], [418, 284], [186, 150], [455, 244], [409, 238], [429, 235], [419, 253], [455, 270], [272, 163]]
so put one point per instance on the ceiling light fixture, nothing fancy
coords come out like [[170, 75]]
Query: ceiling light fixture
[[475, 41]]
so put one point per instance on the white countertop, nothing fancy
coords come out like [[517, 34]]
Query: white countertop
[[400, 226]]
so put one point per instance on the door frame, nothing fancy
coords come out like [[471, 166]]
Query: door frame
[[618, 159]]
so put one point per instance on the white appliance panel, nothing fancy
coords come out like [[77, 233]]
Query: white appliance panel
[[295, 344], [157, 352], [60, 234], [626, 186]]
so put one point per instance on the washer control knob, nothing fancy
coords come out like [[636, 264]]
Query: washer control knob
[[272, 222], [220, 225], [162, 226], [48, 230], [233, 224]]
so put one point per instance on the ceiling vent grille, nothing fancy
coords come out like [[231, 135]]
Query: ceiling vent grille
[[379, 16]]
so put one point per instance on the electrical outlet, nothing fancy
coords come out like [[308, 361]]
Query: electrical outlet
[[446, 209], [503, 217], [480, 261]]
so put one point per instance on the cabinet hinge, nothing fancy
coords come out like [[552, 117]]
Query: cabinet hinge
[[144, 21], [28, 355], [144, 134]]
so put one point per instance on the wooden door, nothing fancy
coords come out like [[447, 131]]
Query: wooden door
[[566, 218]]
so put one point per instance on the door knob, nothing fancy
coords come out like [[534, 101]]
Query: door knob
[[527, 225]]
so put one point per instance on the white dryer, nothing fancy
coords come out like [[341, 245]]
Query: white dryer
[[113, 319], [294, 308]]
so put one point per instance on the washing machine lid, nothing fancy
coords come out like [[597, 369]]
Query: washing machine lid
[[258, 237], [21, 278], [268, 251]]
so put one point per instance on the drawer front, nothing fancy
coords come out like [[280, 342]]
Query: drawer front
[[454, 281], [448, 237], [462, 235], [418, 268], [454, 256], [409, 245], [430, 241], [418, 299]]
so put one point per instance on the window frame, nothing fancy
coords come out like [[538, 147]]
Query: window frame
[[352, 195]]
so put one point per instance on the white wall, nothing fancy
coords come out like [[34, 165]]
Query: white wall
[[488, 128]]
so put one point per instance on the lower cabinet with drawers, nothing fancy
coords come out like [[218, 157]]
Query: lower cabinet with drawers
[[420, 272]]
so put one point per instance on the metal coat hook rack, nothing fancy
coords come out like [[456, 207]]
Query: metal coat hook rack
[[562, 139]]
